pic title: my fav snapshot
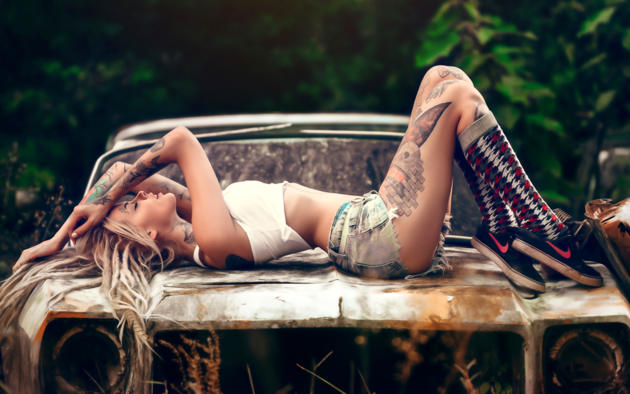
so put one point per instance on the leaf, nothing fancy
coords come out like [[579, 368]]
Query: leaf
[[142, 74], [554, 196], [508, 115], [530, 35], [537, 90], [626, 40], [485, 34], [472, 11], [52, 68], [594, 61], [501, 26], [604, 100], [550, 163], [602, 17], [512, 87], [546, 123], [470, 63], [434, 48]]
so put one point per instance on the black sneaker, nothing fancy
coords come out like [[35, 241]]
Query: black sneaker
[[515, 265], [561, 254]]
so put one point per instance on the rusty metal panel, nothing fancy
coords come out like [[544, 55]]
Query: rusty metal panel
[[475, 295]]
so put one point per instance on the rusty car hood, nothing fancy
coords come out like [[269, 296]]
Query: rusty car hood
[[474, 294]]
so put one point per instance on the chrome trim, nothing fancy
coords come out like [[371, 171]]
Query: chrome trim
[[354, 132], [133, 130]]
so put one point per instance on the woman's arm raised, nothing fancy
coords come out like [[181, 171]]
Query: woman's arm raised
[[215, 231], [95, 206]]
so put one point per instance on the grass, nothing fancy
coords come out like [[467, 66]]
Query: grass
[[199, 363]]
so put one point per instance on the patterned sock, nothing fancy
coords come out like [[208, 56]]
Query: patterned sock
[[495, 214], [491, 157]]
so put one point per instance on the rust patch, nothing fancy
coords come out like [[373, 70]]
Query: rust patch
[[202, 311], [52, 316]]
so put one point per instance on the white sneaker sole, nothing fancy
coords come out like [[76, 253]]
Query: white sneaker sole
[[515, 276], [556, 265]]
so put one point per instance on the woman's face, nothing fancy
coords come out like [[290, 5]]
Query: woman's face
[[152, 212]]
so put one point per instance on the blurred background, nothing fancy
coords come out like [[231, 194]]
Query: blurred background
[[556, 74]]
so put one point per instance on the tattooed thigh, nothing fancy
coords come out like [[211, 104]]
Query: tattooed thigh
[[438, 90], [405, 179]]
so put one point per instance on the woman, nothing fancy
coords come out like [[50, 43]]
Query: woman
[[389, 234]]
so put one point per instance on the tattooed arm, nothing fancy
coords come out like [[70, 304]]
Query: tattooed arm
[[216, 233], [107, 191]]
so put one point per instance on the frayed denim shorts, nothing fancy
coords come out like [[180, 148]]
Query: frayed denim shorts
[[362, 239]]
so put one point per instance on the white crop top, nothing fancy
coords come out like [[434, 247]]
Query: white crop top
[[259, 209]]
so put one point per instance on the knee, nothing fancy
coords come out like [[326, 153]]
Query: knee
[[458, 92], [444, 73]]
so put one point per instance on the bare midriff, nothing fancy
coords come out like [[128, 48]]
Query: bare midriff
[[310, 212]]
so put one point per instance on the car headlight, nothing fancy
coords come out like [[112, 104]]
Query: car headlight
[[84, 357], [586, 359]]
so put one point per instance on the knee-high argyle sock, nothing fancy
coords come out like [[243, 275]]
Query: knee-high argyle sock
[[495, 214], [492, 159]]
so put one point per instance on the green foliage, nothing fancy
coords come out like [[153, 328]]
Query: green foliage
[[558, 84], [29, 214], [555, 74]]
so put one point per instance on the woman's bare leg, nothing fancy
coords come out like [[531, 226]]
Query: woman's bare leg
[[418, 182]]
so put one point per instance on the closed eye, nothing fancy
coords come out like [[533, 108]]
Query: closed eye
[[135, 206]]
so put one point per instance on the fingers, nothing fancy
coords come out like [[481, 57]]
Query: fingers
[[72, 223], [25, 257], [78, 232], [18, 264]]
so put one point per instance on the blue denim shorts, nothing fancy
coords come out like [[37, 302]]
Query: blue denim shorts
[[362, 239]]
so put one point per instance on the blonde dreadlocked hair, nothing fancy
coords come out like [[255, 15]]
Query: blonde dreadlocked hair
[[118, 257]]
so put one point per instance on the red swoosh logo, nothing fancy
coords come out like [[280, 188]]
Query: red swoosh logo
[[502, 248], [566, 254]]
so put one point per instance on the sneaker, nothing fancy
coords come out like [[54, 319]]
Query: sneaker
[[561, 254], [515, 265]]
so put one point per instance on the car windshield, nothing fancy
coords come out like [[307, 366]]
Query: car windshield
[[327, 157]]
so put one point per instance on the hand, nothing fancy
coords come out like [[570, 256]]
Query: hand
[[43, 249], [93, 215]]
